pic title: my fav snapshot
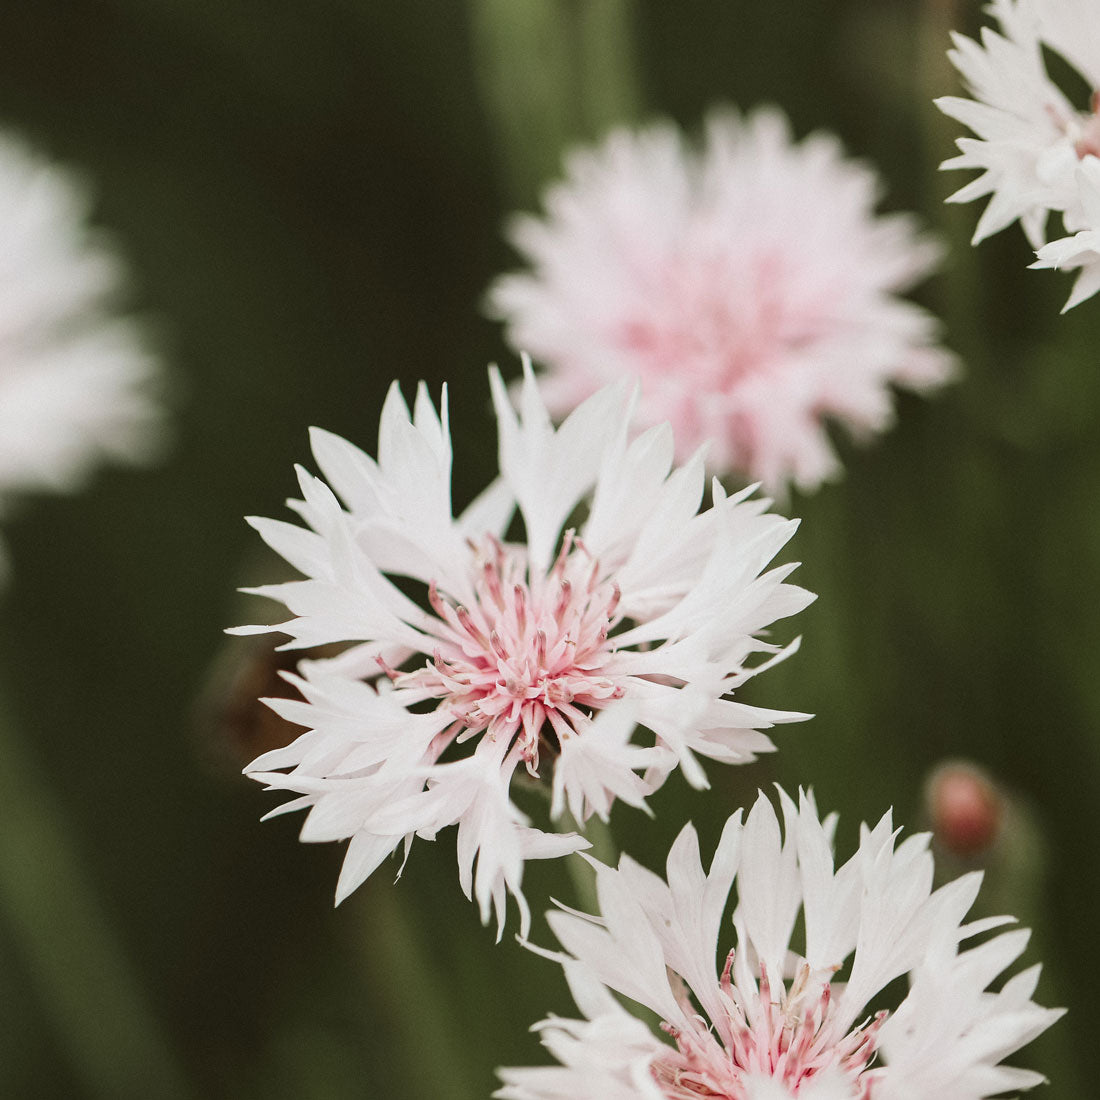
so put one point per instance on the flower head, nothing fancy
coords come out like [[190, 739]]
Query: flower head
[[545, 653], [749, 286], [775, 1022], [1031, 140], [75, 381]]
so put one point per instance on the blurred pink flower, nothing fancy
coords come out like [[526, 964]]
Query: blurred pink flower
[[777, 1023], [749, 286], [546, 653]]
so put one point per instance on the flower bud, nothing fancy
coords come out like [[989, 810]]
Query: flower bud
[[966, 808]]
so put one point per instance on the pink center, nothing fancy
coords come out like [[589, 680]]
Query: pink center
[[1087, 141], [697, 325], [707, 340], [791, 1041], [527, 652], [1083, 130]]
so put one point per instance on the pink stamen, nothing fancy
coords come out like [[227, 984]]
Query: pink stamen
[[564, 600], [520, 597], [785, 1034], [563, 554], [491, 577], [386, 669], [468, 624], [524, 657]]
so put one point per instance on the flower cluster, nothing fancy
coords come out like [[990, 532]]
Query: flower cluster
[[749, 286], [582, 627], [776, 1022], [1037, 152], [544, 654], [75, 382]]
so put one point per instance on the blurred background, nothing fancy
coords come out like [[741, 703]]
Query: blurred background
[[310, 197]]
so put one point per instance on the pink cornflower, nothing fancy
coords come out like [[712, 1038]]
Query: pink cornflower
[[544, 654], [749, 286], [777, 1021]]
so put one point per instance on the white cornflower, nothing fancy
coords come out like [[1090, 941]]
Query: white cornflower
[[749, 285], [75, 381], [1030, 138], [794, 1013], [546, 652], [1082, 250]]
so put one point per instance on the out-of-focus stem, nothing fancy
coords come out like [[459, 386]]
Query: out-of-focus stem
[[598, 833], [610, 80], [394, 957], [50, 909], [522, 61], [551, 72]]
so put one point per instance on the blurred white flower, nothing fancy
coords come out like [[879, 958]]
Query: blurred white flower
[[776, 1023], [75, 381], [749, 286], [547, 652], [1031, 140]]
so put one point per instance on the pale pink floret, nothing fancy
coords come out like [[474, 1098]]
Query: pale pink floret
[[778, 1022], [545, 654], [749, 286]]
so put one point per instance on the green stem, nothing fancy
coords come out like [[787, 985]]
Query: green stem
[[598, 833], [394, 958], [609, 79], [55, 918], [552, 72]]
